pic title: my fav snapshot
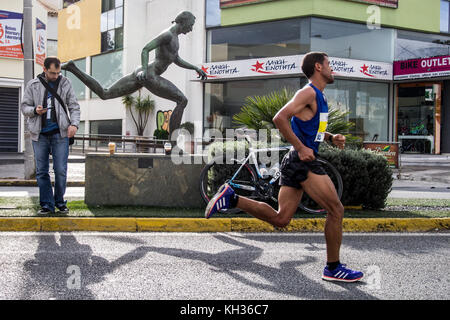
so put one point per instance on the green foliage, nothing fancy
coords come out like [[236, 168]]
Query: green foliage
[[367, 176], [161, 134], [189, 126], [258, 112]]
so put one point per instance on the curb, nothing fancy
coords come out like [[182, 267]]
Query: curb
[[33, 183], [65, 224]]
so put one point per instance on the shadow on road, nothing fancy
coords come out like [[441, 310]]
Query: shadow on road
[[284, 280], [64, 271]]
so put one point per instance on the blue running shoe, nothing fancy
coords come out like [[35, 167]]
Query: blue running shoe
[[220, 201], [341, 273]]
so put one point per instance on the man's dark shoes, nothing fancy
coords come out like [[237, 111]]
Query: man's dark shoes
[[63, 210], [43, 211]]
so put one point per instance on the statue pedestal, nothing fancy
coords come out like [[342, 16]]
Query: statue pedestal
[[142, 179]]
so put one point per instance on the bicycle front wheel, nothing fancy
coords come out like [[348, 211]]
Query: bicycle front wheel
[[310, 206], [217, 172]]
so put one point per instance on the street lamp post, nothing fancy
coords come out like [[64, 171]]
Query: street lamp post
[[29, 164]]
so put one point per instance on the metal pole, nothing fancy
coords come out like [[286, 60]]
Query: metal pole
[[29, 164]]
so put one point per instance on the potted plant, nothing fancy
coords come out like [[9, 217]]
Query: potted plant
[[142, 108], [189, 143]]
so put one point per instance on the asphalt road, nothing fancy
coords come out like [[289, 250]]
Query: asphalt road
[[219, 266]]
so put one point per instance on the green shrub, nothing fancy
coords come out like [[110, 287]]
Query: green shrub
[[366, 176], [189, 126], [161, 134]]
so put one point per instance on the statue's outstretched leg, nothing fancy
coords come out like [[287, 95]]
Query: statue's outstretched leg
[[165, 89], [122, 87]]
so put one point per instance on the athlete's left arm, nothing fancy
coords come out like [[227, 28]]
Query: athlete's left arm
[[337, 139], [184, 64]]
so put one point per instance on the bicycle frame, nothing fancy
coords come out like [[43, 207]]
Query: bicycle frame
[[252, 157]]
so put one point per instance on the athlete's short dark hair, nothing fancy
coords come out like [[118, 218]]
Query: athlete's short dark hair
[[51, 60], [310, 60], [184, 17]]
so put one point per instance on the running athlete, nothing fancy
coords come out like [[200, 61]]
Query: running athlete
[[303, 122]]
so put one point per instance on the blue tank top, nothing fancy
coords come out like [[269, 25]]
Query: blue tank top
[[312, 132]]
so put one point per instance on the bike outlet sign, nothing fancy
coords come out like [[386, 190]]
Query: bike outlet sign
[[291, 65], [422, 68]]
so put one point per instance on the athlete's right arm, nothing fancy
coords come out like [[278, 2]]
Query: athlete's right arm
[[296, 105]]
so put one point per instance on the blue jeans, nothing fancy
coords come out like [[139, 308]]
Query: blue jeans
[[59, 148]]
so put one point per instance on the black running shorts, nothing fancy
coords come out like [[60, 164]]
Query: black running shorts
[[294, 171]]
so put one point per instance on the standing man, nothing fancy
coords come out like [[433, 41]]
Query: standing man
[[51, 125], [302, 121]]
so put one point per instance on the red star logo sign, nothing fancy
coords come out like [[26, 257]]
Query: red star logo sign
[[365, 71], [258, 66], [205, 69]]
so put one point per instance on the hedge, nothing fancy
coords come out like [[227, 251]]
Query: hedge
[[367, 177]]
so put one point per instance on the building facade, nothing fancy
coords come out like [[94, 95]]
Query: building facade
[[255, 47], [12, 67], [106, 38]]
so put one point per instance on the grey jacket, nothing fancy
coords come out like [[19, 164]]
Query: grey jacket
[[34, 96]]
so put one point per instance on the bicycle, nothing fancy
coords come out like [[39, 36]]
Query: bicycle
[[250, 180], [413, 146]]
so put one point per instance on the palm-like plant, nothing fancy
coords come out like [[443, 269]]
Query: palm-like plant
[[258, 112], [143, 107]]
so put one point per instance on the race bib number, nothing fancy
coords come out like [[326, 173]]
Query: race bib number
[[320, 137]]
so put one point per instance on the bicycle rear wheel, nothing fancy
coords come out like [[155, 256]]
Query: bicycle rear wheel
[[310, 206], [217, 172]]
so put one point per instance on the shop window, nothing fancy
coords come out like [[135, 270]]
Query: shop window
[[224, 100], [80, 133], [413, 45], [52, 48], [111, 25], [351, 40], [367, 104], [105, 128], [107, 68], [77, 85], [212, 13], [269, 39], [417, 117]]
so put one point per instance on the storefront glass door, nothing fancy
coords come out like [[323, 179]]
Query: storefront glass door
[[418, 125]]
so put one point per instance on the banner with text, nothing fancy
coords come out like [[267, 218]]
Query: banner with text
[[10, 23], [234, 3], [291, 65], [41, 42], [422, 68]]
